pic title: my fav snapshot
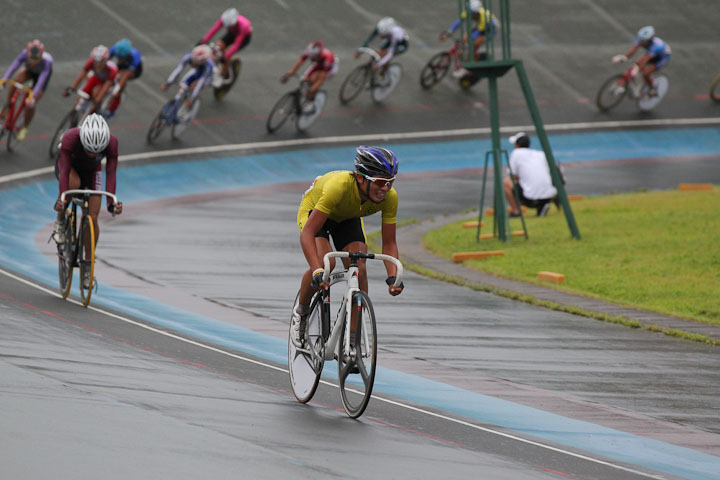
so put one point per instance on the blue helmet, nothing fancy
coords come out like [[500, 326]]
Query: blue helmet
[[123, 48], [374, 161]]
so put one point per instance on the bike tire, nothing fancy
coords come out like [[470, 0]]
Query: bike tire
[[159, 122], [393, 74], [435, 70], [646, 103], [305, 368], [11, 140], [304, 120], [220, 92], [283, 109], [606, 96], [86, 229], [66, 259], [66, 124], [184, 118], [715, 90], [356, 388], [354, 83]]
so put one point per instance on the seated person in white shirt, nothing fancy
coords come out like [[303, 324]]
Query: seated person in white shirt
[[531, 174]]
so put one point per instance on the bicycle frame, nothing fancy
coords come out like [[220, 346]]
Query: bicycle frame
[[15, 109], [350, 276]]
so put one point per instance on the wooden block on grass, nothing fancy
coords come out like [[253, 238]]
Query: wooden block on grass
[[514, 233], [490, 211], [485, 236], [518, 233], [574, 198], [472, 224], [695, 186], [551, 277], [462, 256]]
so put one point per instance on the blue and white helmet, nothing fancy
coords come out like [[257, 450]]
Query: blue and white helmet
[[646, 33], [374, 161]]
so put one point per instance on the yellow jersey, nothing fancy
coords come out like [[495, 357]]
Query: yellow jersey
[[336, 194]]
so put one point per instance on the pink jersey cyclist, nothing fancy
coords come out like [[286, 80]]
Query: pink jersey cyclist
[[239, 31]]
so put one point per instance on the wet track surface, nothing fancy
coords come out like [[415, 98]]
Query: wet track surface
[[101, 397]]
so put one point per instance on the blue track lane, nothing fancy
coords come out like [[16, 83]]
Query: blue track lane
[[27, 209]]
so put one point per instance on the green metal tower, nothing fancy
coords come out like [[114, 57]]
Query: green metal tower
[[492, 69]]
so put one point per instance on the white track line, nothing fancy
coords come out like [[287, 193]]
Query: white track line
[[385, 137], [375, 397]]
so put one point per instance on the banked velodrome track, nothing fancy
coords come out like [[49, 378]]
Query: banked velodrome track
[[179, 368]]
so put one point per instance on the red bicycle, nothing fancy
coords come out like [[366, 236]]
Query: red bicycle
[[439, 64], [15, 108]]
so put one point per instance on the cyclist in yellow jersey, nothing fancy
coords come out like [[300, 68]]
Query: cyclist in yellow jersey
[[333, 207]]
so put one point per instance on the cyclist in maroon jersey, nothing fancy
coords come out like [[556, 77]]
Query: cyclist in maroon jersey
[[79, 166]]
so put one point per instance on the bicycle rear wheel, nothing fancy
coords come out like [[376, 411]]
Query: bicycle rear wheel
[[357, 357], [66, 259], [160, 122], [391, 79], [435, 70], [306, 365], [68, 121], [354, 83], [87, 266], [11, 140], [646, 102], [221, 91], [715, 90], [283, 109], [185, 117], [305, 119], [608, 96]]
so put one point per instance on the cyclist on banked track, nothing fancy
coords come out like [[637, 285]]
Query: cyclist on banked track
[[237, 36], [79, 166], [35, 64], [333, 207], [656, 57], [394, 41], [324, 65], [200, 75]]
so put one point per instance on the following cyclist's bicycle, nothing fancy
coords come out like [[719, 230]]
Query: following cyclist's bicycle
[[175, 114], [351, 338], [379, 81], [439, 65], [78, 246], [295, 104], [631, 84], [83, 106], [14, 110]]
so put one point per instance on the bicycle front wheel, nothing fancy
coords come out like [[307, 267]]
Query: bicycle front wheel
[[160, 122], [608, 95], [306, 364], [280, 112], [715, 90], [66, 259], [67, 122], [357, 356], [87, 265], [435, 70], [354, 83], [11, 140]]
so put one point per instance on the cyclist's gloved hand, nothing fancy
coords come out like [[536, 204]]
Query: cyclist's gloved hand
[[67, 91], [392, 288], [285, 78], [199, 42], [619, 58], [58, 206], [115, 208], [317, 278]]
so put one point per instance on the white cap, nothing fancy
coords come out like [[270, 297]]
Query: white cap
[[515, 137]]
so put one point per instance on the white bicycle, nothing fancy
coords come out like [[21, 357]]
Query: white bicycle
[[355, 351], [364, 76]]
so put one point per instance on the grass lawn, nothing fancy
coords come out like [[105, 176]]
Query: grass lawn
[[658, 251]]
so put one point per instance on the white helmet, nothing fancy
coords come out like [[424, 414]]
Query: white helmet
[[201, 53], [385, 25], [646, 33], [94, 133], [475, 6], [229, 17], [100, 53]]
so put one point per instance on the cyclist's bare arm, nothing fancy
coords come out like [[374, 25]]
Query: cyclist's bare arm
[[74, 85], [307, 238], [389, 247]]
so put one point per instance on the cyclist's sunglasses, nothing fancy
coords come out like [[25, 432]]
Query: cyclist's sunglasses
[[381, 182], [34, 53]]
